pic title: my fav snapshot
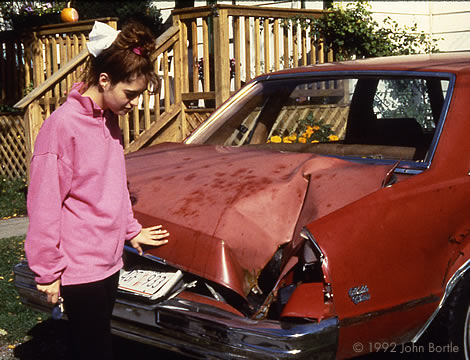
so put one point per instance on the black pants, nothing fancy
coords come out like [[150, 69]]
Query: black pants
[[89, 308]]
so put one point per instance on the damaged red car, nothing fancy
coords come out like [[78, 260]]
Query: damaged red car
[[320, 212]]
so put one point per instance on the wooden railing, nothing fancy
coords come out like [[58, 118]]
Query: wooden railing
[[32, 57], [257, 39], [139, 128]]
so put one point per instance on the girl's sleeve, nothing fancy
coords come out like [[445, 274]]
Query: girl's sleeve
[[50, 181], [133, 226]]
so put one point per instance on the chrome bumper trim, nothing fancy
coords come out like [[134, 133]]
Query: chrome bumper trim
[[198, 331]]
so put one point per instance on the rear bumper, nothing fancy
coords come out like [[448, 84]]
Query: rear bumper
[[202, 331]]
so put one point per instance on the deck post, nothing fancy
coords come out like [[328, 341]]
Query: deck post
[[221, 56]]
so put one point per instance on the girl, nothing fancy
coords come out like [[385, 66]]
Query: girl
[[78, 202]]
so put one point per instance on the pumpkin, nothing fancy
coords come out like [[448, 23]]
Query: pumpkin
[[69, 14]]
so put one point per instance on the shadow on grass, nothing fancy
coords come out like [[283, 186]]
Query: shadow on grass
[[49, 340]]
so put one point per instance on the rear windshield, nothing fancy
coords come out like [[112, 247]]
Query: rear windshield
[[380, 117]]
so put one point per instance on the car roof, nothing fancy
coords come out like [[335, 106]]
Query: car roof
[[442, 62]]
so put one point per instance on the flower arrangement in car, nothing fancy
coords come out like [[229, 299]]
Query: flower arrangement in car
[[305, 131]]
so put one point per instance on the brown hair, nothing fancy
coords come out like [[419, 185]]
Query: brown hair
[[128, 56]]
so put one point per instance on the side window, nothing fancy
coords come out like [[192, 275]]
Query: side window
[[404, 98], [407, 112]]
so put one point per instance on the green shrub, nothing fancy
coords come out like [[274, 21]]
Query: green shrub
[[12, 197], [351, 32]]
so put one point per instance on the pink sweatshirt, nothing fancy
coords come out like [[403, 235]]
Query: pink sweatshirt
[[78, 202]]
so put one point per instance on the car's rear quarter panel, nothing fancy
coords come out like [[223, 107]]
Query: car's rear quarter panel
[[396, 242]]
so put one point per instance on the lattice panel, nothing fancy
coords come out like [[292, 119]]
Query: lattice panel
[[195, 118], [335, 115], [12, 147]]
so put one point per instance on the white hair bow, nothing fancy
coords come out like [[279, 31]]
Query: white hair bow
[[101, 37]]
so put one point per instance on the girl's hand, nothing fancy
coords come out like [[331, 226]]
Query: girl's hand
[[150, 236], [51, 290]]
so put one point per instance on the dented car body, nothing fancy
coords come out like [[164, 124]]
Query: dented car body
[[318, 211]]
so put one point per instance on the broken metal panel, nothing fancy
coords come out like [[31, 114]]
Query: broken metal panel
[[308, 301]]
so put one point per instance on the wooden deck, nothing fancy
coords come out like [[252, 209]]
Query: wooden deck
[[207, 54]]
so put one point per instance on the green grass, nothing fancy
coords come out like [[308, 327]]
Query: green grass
[[15, 318], [12, 197]]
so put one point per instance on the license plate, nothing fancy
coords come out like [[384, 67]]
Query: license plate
[[148, 283]]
